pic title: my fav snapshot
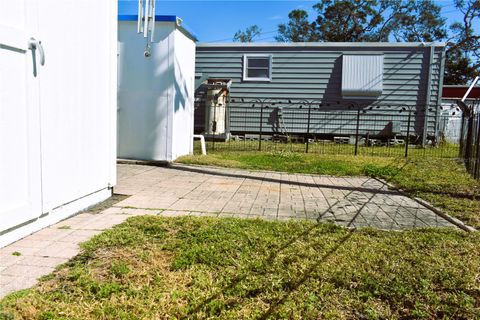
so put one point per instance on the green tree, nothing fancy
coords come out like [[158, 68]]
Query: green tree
[[248, 35], [463, 54], [366, 20], [458, 67], [417, 21], [298, 28], [349, 21]]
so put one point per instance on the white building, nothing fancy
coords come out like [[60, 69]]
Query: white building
[[156, 90], [58, 74]]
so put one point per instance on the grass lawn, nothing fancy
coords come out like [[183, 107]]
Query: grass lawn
[[170, 268], [443, 182]]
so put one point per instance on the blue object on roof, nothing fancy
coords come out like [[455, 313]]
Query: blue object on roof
[[134, 17], [128, 11]]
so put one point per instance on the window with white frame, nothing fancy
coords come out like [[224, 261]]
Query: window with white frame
[[257, 67]]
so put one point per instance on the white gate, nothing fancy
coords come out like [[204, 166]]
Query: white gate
[[57, 110], [20, 165]]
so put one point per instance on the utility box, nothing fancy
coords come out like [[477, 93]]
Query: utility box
[[216, 108], [155, 89]]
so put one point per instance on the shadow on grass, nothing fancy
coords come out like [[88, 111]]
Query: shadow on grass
[[291, 285], [294, 283]]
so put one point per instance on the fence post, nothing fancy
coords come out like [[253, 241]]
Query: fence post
[[407, 139], [308, 126], [477, 147], [468, 149], [425, 127], [261, 127], [461, 153], [214, 123], [357, 129]]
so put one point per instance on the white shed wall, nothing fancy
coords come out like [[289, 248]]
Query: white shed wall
[[145, 86], [58, 137], [155, 94]]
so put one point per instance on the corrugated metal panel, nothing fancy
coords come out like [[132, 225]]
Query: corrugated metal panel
[[362, 75]]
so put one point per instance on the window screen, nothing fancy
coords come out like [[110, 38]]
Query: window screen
[[257, 67], [362, 75]]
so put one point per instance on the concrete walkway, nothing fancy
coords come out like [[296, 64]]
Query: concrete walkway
[[183, 190]]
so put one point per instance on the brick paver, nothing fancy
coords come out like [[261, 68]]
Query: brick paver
[[198, 191]]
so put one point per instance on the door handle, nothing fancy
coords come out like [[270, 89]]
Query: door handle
[[34, 44]]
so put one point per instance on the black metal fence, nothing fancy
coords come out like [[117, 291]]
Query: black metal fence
[[329, 127], [470, 138]]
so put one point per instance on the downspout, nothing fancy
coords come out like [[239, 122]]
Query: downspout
[[429, 89], [440, 90]]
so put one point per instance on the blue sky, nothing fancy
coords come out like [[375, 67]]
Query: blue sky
[[219, 20]]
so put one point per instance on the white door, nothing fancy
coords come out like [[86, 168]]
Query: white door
[[77, 98], [20, 167]]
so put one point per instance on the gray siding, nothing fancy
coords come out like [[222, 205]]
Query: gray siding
[[315, 73]]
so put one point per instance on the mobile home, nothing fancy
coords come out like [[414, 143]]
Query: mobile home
[[386, 81]]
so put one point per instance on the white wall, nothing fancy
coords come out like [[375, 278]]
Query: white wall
[[144, 89], [155, 94], [184, 86], [61, 132]]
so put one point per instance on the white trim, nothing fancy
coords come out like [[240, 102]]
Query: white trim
[[257, 55], [54, 216], [113, 113], [323, 44]]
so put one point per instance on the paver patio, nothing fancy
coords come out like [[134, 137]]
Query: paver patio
[[184, 190], [348, 201]]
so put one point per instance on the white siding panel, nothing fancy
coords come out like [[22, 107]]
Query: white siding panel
[[183, 108], [362, 75]]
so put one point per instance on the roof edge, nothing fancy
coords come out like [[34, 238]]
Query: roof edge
[[321, 44], [163, 18]]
